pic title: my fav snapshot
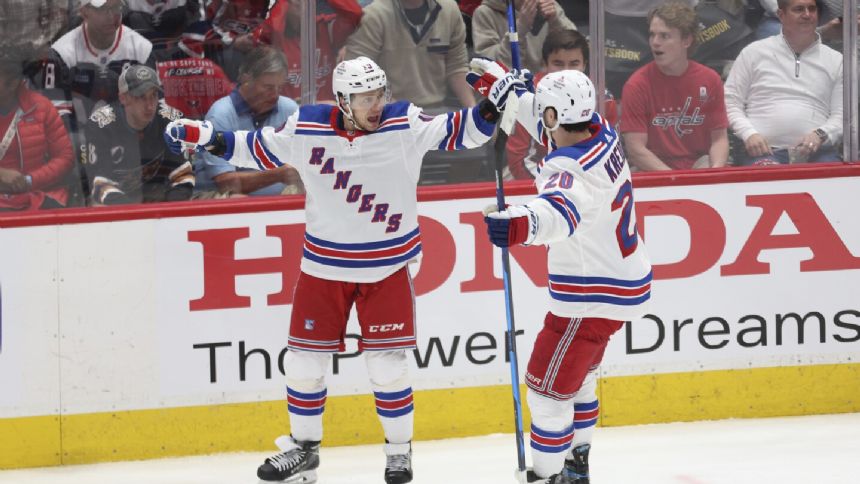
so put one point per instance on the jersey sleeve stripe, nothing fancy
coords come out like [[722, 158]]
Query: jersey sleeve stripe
[[484, 126], [268, 159], [565, 207], [454, 121], [464, 117], [249, 141]]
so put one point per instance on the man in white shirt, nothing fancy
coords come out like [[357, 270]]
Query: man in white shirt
[[784, 93]]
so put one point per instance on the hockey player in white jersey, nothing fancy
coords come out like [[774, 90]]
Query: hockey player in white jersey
[[599, 271], [360, 163]]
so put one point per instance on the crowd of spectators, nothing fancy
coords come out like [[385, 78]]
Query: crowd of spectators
[[85, 90]]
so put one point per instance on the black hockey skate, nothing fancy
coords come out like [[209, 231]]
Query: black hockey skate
[[398, 463], [531, 477], [295, 464], [576, 466]]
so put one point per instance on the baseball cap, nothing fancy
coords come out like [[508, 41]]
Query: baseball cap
[[94, 3], [137, 79]]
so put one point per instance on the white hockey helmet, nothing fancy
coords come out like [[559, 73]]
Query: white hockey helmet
[[570, 93], [355, 76]]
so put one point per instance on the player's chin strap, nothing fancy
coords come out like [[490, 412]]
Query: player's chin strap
[[547, 131], [346, 110]]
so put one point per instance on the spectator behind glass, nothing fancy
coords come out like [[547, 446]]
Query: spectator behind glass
[[226, 31], [831, 31], [254, 104], [35, 152], [535, 19], [784, 93], [562, 50], [336, 20], [86, 62], [161, 21], [421, 45], [191, 82], [769, 24], [126, 159], [673, 113], [29, 26]]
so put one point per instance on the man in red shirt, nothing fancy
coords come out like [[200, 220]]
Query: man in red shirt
[[673, 112], [336, 20]]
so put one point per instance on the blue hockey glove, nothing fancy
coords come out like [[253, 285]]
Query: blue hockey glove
[[513, 226]]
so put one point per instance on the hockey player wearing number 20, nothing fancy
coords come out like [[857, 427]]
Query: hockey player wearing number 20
[[360, 163], [599, 272]]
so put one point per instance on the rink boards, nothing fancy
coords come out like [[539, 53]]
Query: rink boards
[[159, 331]]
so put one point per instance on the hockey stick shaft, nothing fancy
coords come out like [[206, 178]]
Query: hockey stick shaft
[[507, 124]]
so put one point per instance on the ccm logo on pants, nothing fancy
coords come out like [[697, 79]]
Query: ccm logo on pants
[[385, 328]]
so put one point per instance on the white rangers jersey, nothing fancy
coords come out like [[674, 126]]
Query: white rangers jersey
[[598, 265], [361, 208]]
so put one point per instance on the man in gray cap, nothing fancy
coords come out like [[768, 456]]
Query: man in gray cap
[[126, 160]]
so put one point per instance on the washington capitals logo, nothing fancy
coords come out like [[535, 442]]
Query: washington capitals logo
[[679, 120]]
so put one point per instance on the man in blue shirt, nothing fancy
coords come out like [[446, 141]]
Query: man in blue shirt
[[254, 104]]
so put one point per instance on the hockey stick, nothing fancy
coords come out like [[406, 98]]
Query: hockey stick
[[506, 125]]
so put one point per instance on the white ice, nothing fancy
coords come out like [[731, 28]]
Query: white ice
[[822, 449]]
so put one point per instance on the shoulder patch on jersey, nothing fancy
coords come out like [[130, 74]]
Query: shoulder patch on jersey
[[168, 112], [319, 113], [103, 116], [395, 110]]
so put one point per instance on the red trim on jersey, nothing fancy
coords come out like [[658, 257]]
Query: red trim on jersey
[[595, 150], [369, 254], [455, 131], [614, 290], [261, 154], [342, 132]]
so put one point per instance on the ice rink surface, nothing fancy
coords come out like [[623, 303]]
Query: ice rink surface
[[821, 449]]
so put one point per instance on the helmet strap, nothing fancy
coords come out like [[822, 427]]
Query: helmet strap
[[346, 109]]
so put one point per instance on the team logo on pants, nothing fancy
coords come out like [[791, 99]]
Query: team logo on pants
[[309, 324]]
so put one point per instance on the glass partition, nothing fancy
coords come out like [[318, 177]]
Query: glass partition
[[707, 84]]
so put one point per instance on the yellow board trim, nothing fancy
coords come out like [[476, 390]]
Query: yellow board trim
[[457, 412]]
